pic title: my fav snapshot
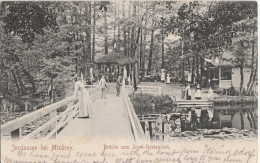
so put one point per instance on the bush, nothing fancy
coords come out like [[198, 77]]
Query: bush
[[143, 104]]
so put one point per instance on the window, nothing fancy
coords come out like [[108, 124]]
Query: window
[[226, 74]]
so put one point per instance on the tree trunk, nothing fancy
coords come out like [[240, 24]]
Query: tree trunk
[[6, 85], [241, 79], [133, 34], [106, 37], [249, 87], [192, 69], [124, 30], [114, 40], [253, 119], [162, 50], [197, 69], [118, 32], [242, 120], [141, 53], [182, 65], [89, 32], [150, 58], [16, 82], [201, 69], [30, 77], [21, 83], [128, 31], [94, 32], [144, 33], [254, 76], [87, 43], [149, 69], [135, 45]]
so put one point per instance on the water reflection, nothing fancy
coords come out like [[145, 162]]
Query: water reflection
[[241, 117], [236, 116]]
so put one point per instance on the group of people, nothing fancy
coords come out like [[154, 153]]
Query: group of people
[[103, 85], [186, 92], [80, 91]]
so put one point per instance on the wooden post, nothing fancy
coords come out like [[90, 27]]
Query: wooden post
[[219, 76], [118, 70], [16, 134], [150, 130], [26, 106], [162, 130], [143, 125], [53, 126]]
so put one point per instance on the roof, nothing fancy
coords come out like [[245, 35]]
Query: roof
[[116, 58], [125, 60], [226, 60], [223, 64]]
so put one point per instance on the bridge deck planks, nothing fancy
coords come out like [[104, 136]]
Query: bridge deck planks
[[108, 122]]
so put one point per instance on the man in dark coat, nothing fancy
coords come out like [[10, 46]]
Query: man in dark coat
[[118, 85]]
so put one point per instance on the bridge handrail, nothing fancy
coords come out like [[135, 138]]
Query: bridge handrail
[[147, 89], [51, 126], [38, 130], [137, 130], [21, 121]]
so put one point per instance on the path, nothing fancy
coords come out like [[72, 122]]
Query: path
[[108, 121], [175, 90]]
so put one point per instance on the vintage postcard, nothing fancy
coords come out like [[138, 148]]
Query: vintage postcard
[[129, 81]]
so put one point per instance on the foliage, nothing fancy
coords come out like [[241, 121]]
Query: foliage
[[143, 104], [44, 40], [26, 19], [31, 61]]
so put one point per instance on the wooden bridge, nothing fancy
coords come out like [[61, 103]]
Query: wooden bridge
[[113, 118]]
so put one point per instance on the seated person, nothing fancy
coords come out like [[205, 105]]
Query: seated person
[[232, 90]]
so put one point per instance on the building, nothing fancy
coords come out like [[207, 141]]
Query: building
[[112, 65], [223, 73]]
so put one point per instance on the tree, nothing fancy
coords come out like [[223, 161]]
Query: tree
[[105, 31], [242, 44], [149, 69], [26, 19], [43, 57], [94, 31]]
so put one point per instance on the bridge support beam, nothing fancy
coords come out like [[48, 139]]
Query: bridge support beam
[[16, 134], [150, 129], [53, 126]]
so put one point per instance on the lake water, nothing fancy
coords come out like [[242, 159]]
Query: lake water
[[237, 116], [220, 122], [219, 117]]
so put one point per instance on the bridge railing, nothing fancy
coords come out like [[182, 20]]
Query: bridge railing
[[133, 120], [155, 90], [57, 116]]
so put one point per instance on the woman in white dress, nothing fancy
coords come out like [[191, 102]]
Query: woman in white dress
[[84, 99], [168, 81], [198, 93]]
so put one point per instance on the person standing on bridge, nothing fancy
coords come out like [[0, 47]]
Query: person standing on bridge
[[188, 92], [84, 99], [103, 85], [118, 85]]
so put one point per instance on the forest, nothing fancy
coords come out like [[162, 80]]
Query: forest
[[43, 44]]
